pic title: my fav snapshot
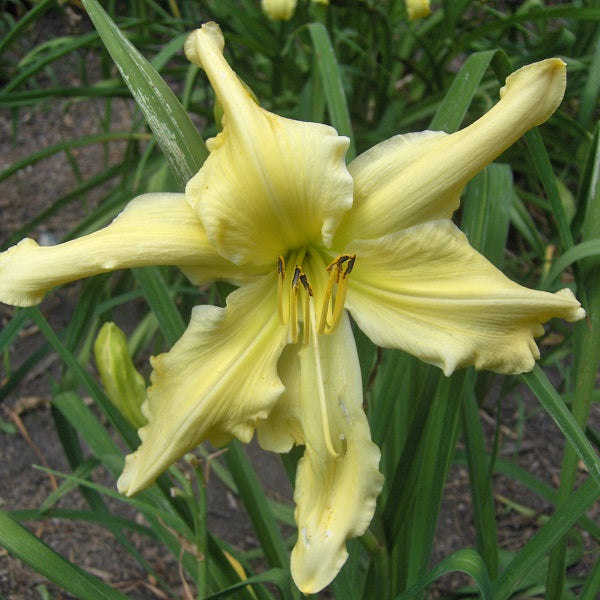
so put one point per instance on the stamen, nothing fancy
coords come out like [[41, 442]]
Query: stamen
[[340, 274], [296, 277], [326, 302], [307, 299], [305, 283], [340, 300], [280, 279], [294, 305]]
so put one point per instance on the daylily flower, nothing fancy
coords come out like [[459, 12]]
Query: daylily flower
[[307, 239], [283, 10], [417, 9], [279, 10]]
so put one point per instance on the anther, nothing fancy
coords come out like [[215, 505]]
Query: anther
[[350, 265], [280, 279], [296, 277], [281, 266], [304, 281]]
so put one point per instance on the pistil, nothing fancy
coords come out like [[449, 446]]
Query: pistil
[[321, 388]]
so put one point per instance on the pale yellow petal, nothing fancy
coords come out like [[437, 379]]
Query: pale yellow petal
[[417, 9], [154, 229], [412, 179], [270, 184], [335, 496], [425, 290], [217, 381], [279, 10]]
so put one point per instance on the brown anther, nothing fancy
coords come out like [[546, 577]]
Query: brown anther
[[281, 265], [296, 277], [350, 265], [305, 283]]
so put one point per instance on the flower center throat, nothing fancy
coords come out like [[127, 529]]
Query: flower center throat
[[298, 287]]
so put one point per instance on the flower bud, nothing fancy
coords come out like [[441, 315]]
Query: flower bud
[[124, 386]]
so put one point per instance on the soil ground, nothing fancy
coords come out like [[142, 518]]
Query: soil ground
[[35, 440]]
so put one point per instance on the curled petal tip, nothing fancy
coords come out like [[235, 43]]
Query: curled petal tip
[[209, 32], [17, 287], [573, 311], [543, 81]]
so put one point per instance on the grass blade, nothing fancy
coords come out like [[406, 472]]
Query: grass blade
[[484, 510], [257, 506], [332, 83], [457, 99], [467, 561], [157, 293], [32, 551], [550, 533], [173, 128], [587, 362], [556, 408], [542, 164]]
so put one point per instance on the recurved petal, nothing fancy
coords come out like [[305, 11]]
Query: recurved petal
[[217, 381], [153, 229], [270, 184], [425, 290], [335, 495], [414, 178]]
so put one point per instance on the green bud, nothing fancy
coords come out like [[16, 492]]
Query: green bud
[[124, 386]]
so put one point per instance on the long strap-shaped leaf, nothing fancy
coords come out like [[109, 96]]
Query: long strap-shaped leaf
[[557, 526], [332, 83], [180, 141], [457, 99], [24, 545], [587, 360], [467, 561], [556, 408]]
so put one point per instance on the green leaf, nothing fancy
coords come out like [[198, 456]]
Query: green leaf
[[543, 166], [486, 211], [173, 128], [85, 379], [467, 561], [556, 408], [22, 544], [591, 92], [21, 27], [161, 301], [457, 99], [542, 542], [586, 360], [484, 509], [588, 249], [332, 83], [436, 450], [279, 577], [257, 506]]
